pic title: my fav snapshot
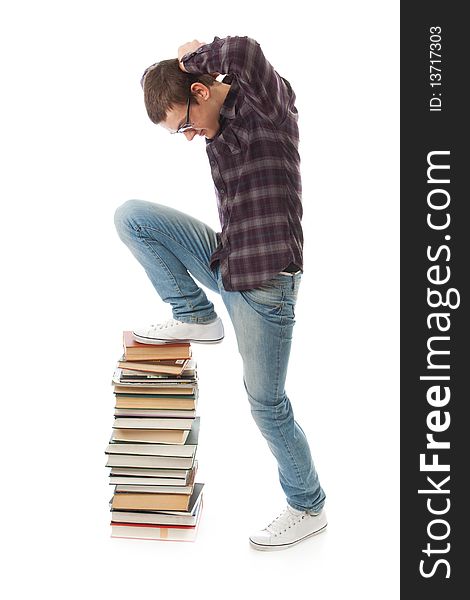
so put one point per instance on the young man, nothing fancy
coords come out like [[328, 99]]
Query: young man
[[249, 122]]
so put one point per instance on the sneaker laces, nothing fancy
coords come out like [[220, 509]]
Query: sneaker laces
[[285, 521], [166, 324]]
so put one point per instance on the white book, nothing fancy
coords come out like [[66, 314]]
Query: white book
[[152, 449], [173, 473], [157, 462], [154, 413], [142, 423], [156, 489], [160, 481]]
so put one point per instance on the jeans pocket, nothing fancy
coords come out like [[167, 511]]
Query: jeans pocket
[[268, 298]]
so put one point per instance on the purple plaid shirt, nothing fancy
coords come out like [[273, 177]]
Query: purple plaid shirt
[[255, 164]]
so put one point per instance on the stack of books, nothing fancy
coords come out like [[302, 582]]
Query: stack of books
[[152, 450]]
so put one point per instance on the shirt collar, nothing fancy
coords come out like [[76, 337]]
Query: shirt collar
[[228, 107], [227, 110]]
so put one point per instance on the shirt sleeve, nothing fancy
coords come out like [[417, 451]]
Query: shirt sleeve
[[269, 94]]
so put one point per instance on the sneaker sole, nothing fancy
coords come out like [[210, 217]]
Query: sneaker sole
[[149, 340], [268, 548]]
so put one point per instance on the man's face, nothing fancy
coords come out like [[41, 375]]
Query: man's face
[[204, 116]]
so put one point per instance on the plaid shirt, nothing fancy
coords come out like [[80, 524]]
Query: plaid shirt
[[255, 164]]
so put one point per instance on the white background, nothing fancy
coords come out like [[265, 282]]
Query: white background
[[76, 143]]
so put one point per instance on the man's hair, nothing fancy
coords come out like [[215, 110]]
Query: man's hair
[[166, 85]]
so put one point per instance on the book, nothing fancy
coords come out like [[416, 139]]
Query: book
[[154, 462], [183, 474], [148, 449], [154, 489], [160, 477], [160, 481], [149, 423], [144, 531], [126, 377], [134, 350], [157, 401], [149, 501], [149, 439], [121, 377], [157, 370], [156, 388], [150, 436], [154, 413], [188, 517], [169, 367]]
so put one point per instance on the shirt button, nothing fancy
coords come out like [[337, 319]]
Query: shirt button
[[212, 163]]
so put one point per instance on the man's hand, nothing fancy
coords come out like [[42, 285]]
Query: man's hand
[[188, 47], [191, 47]]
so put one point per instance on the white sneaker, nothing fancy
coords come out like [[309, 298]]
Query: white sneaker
[[289, 528], [177, 331]]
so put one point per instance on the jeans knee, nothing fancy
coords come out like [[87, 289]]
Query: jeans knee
[[123, 217], [266, 408]]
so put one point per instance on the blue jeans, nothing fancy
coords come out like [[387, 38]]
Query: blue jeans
[[174, 250]]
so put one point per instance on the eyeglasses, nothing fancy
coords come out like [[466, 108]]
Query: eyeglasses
[[187, 124]]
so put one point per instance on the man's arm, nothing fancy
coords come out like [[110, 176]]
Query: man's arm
[[188, 48], [264, 88]]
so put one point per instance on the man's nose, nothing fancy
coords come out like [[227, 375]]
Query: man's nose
[[189, 135]]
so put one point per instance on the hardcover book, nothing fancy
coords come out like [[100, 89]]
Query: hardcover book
[[148, 437], [153, 462], [148, 501], [134, 350], [149, 423], [147, 442], [157, 401], [172, 367], [173, 517]]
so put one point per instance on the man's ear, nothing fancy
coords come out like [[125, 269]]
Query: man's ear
[[200, 90]]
